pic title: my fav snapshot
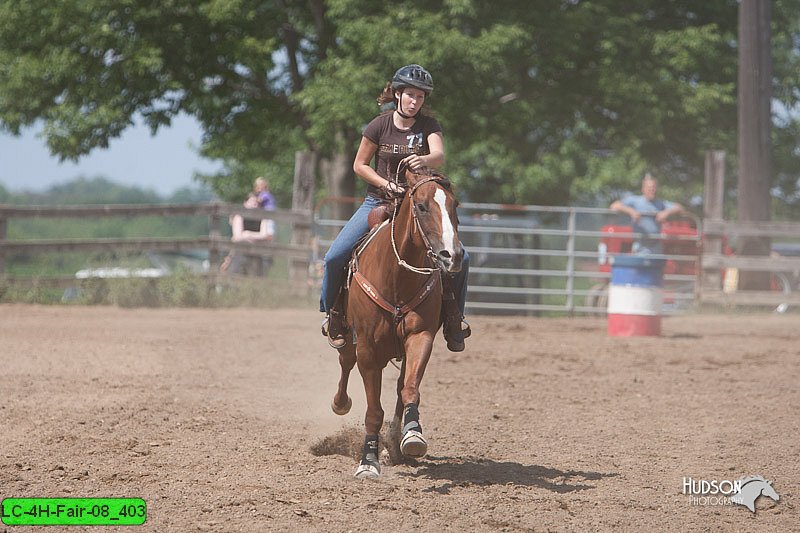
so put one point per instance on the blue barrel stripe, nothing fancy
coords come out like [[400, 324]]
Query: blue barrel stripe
[[637, 271]]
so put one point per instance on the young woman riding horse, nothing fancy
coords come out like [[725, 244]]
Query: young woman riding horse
[[404, 134], [394, 309]]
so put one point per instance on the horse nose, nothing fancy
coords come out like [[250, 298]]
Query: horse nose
[[445, 259], [451, 263]]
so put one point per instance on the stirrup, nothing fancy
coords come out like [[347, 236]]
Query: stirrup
[[334, 330], [466, 330], [455, 337]]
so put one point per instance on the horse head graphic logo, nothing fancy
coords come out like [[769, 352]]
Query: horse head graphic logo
[[752, 488]]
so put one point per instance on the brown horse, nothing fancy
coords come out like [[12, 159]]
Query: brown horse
[[393, 308]]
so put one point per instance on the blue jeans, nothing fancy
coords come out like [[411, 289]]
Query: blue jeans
[[338, 256]]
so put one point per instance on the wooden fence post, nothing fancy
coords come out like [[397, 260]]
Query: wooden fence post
[[713, 204], [3, 235], [214, 233], [303, 189]]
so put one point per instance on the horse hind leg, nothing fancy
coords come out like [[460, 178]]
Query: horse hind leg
[[342, 402], [393, 442]]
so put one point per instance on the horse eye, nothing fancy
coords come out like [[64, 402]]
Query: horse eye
[[422, 207]]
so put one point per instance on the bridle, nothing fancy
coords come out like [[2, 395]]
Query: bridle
[[401, 309], [429, 253]]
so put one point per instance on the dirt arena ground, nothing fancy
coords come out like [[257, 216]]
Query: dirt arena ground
[[220, 420]]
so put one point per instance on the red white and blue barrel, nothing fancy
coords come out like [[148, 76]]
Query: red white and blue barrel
[[635, 296]]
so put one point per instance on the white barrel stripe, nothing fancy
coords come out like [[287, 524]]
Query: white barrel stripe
[[627, 300]]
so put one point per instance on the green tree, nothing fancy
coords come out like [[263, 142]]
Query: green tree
[[546, 101]]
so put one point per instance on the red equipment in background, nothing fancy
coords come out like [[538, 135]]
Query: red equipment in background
[[678, 237], [673, 244]]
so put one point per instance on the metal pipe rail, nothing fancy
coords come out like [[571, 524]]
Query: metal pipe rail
[[511, 241]]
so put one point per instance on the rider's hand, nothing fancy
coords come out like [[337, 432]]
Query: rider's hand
[[393, 190], [661, 216], [414, 162], [635, 215]]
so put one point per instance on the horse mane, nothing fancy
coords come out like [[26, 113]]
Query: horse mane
[[750, 479], [428, 172]]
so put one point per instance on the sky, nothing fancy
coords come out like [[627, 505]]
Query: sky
[[162, 163]]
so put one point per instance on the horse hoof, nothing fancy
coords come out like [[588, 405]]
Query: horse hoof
[[341, 411], [413, 444], [367, 472]]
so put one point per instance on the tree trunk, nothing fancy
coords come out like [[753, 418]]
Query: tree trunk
[[713, 208], [755, 122]]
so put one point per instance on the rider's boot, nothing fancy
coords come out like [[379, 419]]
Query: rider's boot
[[455, 327], [335, 328]]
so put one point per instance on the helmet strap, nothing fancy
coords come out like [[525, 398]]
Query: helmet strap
[[403, 114], [400, 106]]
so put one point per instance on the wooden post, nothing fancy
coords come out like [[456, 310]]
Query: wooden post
[[714, 193], [303, 189], [755, 125], [337, 172], [3, 235], [713, 209], [570, 262], [214, 233]]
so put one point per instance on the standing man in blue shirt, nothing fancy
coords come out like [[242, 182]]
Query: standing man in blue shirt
[[647, 214]]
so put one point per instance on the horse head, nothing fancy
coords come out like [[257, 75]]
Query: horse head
[[768, 490], [751, 488], [433, 206]]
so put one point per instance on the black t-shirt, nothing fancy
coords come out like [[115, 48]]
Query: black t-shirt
[[252, 225], [395, 144]]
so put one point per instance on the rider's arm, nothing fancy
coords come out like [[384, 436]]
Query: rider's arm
[[361, 164], [434, 159]]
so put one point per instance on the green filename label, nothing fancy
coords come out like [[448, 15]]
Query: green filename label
[[73, 511]]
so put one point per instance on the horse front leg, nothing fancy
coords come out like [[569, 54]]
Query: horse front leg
[[370, 467], [342, 403], [418, 352], [396, 426]]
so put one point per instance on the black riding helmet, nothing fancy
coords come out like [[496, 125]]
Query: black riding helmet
[[413, 76]]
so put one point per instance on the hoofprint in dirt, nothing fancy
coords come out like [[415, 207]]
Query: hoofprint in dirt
[[221, 421]]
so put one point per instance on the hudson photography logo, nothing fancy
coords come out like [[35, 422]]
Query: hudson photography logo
[[743, 491]]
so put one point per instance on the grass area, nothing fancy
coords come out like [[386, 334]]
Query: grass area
[[30, 275], [182, 288]]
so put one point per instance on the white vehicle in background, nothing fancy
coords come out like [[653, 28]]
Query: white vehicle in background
[[120, 272], [162, 264]]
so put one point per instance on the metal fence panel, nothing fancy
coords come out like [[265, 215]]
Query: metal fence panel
[[545, 259]]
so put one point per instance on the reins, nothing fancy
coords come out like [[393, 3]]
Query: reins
[[430, 253], [434, 274]]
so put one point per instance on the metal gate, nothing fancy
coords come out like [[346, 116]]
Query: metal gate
[[530, 260]]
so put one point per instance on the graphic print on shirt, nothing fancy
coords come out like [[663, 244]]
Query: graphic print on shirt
[[415, 141], [414, 146]]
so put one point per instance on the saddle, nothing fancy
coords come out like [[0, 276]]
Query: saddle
[[379, 214]]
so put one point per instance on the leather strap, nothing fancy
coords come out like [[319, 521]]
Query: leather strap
[[384, 304]]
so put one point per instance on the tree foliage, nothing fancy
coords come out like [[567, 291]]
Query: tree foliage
[[545, 101]]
